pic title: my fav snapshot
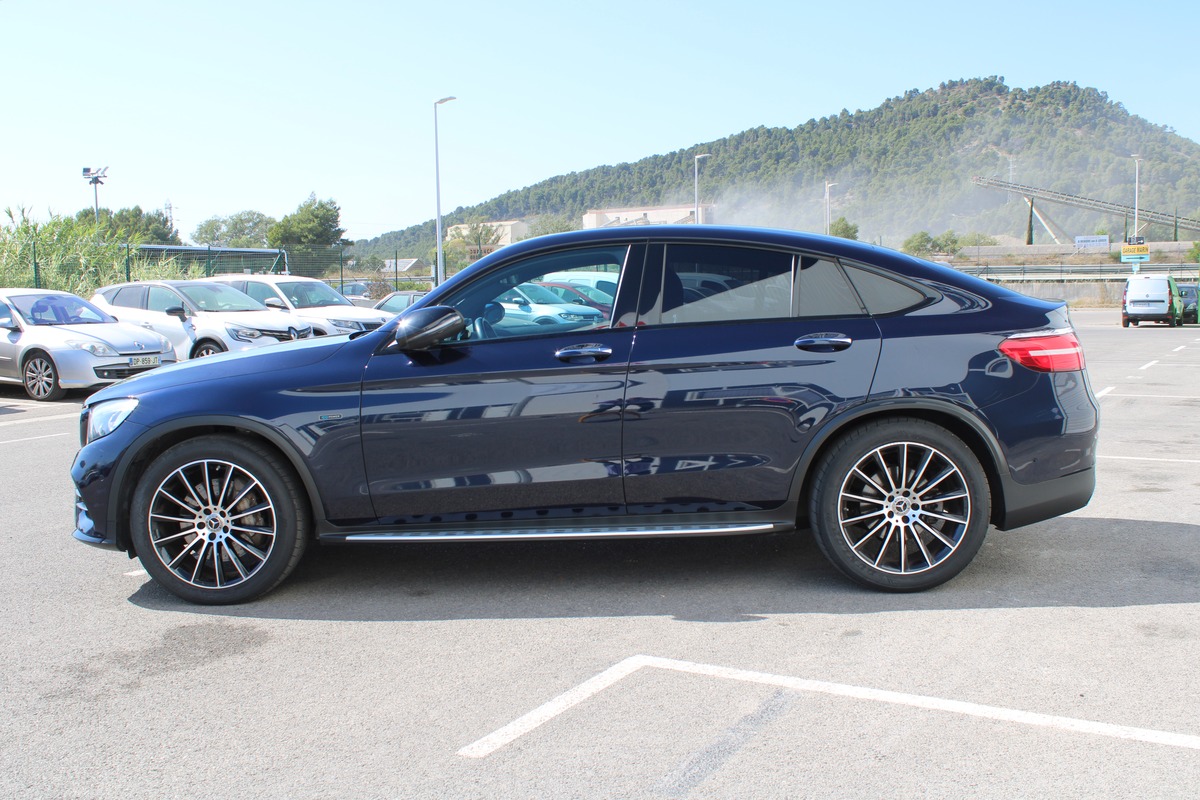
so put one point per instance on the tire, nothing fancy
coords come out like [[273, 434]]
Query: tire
[[39, 375], [206, 348], [216, 520], [1124, 322], [873, 514]]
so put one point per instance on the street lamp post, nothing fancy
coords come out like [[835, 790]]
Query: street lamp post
[[1137, 164], [696, 183], [95, 177], [437, 179], [827, 185]]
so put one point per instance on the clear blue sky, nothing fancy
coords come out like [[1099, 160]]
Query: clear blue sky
[[220, 107]]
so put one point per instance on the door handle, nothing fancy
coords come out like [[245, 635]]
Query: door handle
[[596, 352], [824, 342]]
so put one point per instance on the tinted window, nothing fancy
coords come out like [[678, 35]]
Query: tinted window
[[127, 296], [882, 294], [709, 283], [516, 283], [160, 299], [823, 291], [259, 291]]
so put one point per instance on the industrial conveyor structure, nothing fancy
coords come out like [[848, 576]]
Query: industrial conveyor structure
[[1030, 193]]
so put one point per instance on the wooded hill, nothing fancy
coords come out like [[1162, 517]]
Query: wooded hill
[[901, 168]]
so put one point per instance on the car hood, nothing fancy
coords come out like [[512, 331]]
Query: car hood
[[266, 320], [121, 336], [290, 355], [343, 312]]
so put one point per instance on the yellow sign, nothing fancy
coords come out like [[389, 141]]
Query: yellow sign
[[1135, 249]]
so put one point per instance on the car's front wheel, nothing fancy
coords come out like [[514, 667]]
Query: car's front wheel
[[900, 505], [207, 348], [40, 377], [217, 520]]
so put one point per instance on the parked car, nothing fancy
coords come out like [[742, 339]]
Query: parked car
[[53, 341], [1151, 298], [582, 294], [199, 317], [1188, 296], [357, 292], [530, 303], [804, 397], [313, 301], [395, 302], [603, 279]]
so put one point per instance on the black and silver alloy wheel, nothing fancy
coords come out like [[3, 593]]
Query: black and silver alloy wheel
[[901, 505], [216, 520]]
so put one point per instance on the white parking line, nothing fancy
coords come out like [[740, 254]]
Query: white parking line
[[1145, 458], [1147, 366], [523, 725], [1181, 347], [27, 420], [33, 438], [1103, 392]]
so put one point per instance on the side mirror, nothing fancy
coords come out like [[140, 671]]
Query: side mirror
[[177, 312], [422, 328], [275, 302], [7, 322]]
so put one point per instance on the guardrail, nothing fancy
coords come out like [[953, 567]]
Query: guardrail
[[1188, 273]]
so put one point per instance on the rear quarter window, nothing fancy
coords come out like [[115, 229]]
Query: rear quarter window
[[884, 294]]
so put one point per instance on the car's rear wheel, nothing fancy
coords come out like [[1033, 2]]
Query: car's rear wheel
[[216, 520], [207, 348], [40, 377], [900, 505]]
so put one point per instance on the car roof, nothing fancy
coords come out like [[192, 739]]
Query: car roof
[[22, 291], [272, 278]]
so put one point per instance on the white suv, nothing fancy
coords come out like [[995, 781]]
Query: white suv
[[200, 318], [314, 301]]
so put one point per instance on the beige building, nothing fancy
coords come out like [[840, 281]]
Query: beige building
[[649, 215], [506, 232]]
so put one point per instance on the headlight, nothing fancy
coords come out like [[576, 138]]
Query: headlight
[[106, 417], [95, 348], [164, 344], [243, 334], [348, 324], [567, 315]]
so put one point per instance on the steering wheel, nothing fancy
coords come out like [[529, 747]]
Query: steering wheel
[[482, 329]]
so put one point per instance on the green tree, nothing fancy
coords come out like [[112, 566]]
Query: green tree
[[131, 225], [919, 244], [946, 243], [977, 240], [1193, 255], [478, 236], [315, 222], [243, 229], [545, 224], [843, 228]]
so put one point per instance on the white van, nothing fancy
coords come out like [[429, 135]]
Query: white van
[[1151, 298], [604, 281]]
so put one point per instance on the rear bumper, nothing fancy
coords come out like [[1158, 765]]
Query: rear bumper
[[1025, 504]]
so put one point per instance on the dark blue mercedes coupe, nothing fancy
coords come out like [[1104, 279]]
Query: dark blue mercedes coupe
[[745, 381]]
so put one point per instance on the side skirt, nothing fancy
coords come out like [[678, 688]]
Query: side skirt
[[561, 533]]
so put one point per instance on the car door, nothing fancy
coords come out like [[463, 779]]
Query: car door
[[519, 425], [10, 342], [726, 388]]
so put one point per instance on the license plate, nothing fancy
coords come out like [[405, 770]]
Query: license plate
[[143, 361]]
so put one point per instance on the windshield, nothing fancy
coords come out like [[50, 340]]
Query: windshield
[[218, 297], [540, 294], [593, 294], [58, 309], [311, 294]]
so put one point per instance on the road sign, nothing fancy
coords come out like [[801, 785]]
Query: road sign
[[1135, 250], [1133, 259]]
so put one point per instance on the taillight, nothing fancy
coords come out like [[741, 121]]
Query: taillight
[[1055, 351]]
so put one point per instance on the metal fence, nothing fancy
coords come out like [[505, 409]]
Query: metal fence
[[84, 269]]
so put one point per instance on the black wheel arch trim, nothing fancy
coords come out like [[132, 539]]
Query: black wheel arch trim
[[979, 436], [149, 445]]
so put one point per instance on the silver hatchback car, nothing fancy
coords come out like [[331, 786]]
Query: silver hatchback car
[[53, 341]]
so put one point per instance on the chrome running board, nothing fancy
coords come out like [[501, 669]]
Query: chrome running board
[[592, 532]]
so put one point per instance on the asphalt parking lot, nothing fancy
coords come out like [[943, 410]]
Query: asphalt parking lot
[[1061, 663]]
